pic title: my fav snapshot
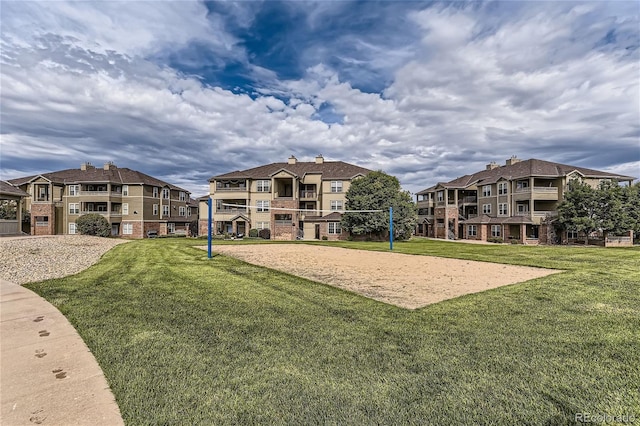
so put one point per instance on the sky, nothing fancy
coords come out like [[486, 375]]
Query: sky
[[425, 91]]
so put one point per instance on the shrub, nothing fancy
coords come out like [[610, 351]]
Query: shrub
[[253, 233], [93, 224], [264, 234], [494, 240], [325, 238]]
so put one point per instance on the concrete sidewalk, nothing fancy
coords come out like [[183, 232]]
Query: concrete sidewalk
[[47, 374]]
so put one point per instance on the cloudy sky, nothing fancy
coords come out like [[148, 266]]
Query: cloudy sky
[[426, 91]]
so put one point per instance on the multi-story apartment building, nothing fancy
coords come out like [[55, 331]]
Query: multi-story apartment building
[[134, 203], [507, 202], [293, 199]]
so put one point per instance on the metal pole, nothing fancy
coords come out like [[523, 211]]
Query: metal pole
[[390, 228], [209, 203]]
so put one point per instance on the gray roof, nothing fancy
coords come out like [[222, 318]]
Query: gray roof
[[98, 175], [523, 169], [8, 189], [328, 170]]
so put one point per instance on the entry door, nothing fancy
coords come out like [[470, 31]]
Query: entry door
[[241, 227], [317, 231], [115, 229]]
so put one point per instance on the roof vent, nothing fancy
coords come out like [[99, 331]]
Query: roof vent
[[292, 160], [319, 159], [492, 165], [86, 166], [513, 160]]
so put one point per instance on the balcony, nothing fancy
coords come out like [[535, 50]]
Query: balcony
[[308, 195], [468, 200]]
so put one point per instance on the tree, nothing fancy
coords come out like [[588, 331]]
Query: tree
[[379, 191], [609, 208], [93, 224]]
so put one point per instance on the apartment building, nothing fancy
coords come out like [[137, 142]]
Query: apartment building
[[294, 200], [134, 203], [509, 202]]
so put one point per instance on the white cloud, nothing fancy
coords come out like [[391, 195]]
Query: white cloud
[[473, 92]]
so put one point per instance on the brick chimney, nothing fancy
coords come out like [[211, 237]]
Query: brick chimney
[[513, 160], [492, 165], [319, 159], [292, 160]]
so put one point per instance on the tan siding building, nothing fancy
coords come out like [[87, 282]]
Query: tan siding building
[[507, 202], [294, 200], [134, 203]]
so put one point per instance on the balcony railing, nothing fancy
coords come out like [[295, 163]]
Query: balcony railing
[[308, 194], [468, 200], [547, 189], [229, 210], [231, 188]]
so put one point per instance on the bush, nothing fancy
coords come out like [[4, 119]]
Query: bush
[[325, 238], [494, 240], [93, 224], [253, 233], [265, 234]]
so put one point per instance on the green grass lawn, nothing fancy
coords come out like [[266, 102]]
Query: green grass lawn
[[187, 340]]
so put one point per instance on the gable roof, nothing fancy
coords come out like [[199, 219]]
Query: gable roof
[[7, 189], [98, 175], [328, 170], [524, 169]]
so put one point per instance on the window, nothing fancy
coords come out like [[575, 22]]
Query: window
[[523, 208], [182, 211], [74, 190], [74, 208], [486, 208], [336, 186], [127, 228], [165, 193], [503, 209], [495, 230], [263, 225], [156, 190], [125, 189], [183, 196], [188, 211], [334, 228], [283, 219], [336, 204], [72, 228], [171, 228], [125, 208], [262, 206], [522, 184], [165, 210], [42, 220], [440, 196], [472, 230], [572, 235], [486, 191], [502, 188], [264, 185], [155, 210]]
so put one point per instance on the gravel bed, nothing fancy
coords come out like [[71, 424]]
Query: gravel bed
[[28, 259]]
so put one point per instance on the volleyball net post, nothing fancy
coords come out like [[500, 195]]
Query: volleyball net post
[[209, 223], [390, 228]]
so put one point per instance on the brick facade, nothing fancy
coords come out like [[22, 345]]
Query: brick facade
[[48, 211], [287, 231]]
